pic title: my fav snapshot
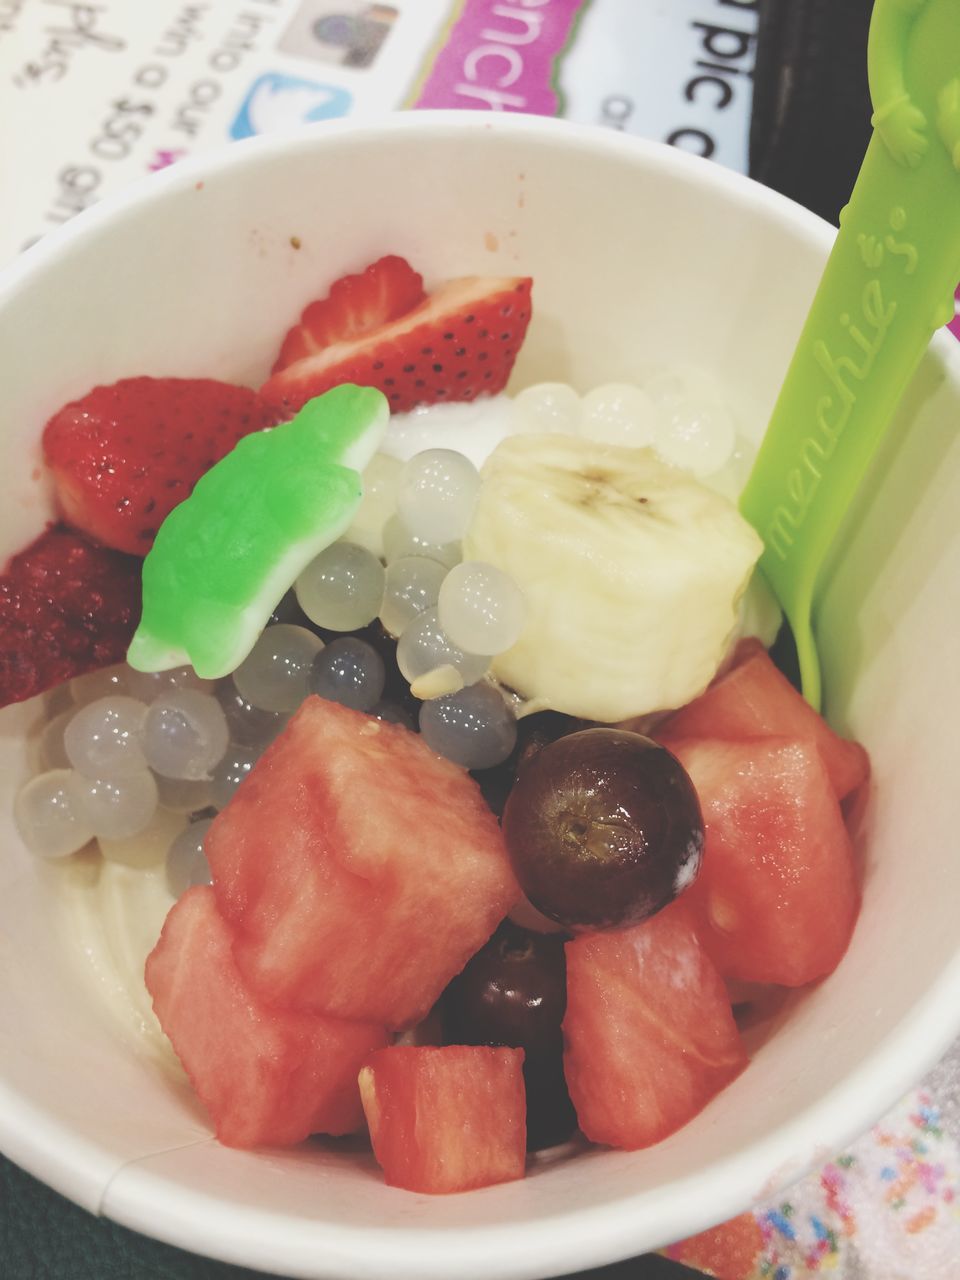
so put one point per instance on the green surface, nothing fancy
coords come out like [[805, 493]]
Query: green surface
[[223, 558], [888, 285]]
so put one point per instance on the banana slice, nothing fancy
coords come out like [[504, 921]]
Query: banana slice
[[632, 573]]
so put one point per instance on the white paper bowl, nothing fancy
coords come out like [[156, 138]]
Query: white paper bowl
[[640, 256]]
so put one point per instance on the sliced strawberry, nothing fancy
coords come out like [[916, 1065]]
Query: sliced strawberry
[[66, 607], [123, 456], [459, 343], [355, 305], [445, 1120]]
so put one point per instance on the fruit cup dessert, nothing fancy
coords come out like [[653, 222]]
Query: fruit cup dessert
[[477, 800]]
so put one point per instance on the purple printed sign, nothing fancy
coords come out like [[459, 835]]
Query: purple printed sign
[[500, 55], [954, 325]]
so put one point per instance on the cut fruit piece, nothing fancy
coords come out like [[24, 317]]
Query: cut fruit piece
[[225, 556], [630, 569], [754, 700], [124, 455], [445, 1120], [649, 1033], [66, 607], [267, 1077], [361, 870], [776, 898], [355, 305], [458, 343]]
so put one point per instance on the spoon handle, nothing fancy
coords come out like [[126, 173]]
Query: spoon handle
[[888, 285]]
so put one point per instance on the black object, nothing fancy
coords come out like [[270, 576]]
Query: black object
[[810, 123]]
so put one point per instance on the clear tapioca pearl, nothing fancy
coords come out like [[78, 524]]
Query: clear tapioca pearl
[[411, 587], [438, 490], [620, 414], [184, 734], [349, 671], [480, 608], [342, 588], [474, 728], [425, 646], [147, 685], [399, 543], [101, 684], [186, 862], [119, 808], [49, 814], [381, 479], [697, 435], [249, 725], [275, 675], [102, 739], [546, 407], [230, 772]]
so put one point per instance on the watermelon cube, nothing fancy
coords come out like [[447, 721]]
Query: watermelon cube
[[649, 1033], [776, 898], [444, 1120], [360, 870], [754, 700], [267, 1077]]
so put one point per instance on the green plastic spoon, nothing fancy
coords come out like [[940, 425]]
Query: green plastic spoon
[[887, 286]]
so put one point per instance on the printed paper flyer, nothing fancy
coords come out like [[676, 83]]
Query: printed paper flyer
[[93, 95]]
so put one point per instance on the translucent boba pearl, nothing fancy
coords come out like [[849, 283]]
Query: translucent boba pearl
[[184, 734], [342, 588], [102, 739], [101, 684], [481, 608], [411, 587], [275, 674], [399, 543], [186, 862], [437, 493], [183, 795], [230, 772], [393, 713], [119, 808], [147, 685], [620, 414], [424, 645], [474, 727], [546, 407], [52, 753], [381, 479], [697, 435], [349, 671], [248, 725], [49, 814]]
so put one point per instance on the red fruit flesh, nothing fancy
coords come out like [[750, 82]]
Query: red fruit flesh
[[361, 870], [754, 700], [355, 305], [459, 343], [123, 456], [649, 1033], [446, 1120], [66, 607], [776, 899], [267, 1077]]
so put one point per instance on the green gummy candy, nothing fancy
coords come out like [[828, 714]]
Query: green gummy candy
[[223, 558]]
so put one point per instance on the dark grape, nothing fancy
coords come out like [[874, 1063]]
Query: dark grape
[[533, 732], [603, 828], [513, 992]]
